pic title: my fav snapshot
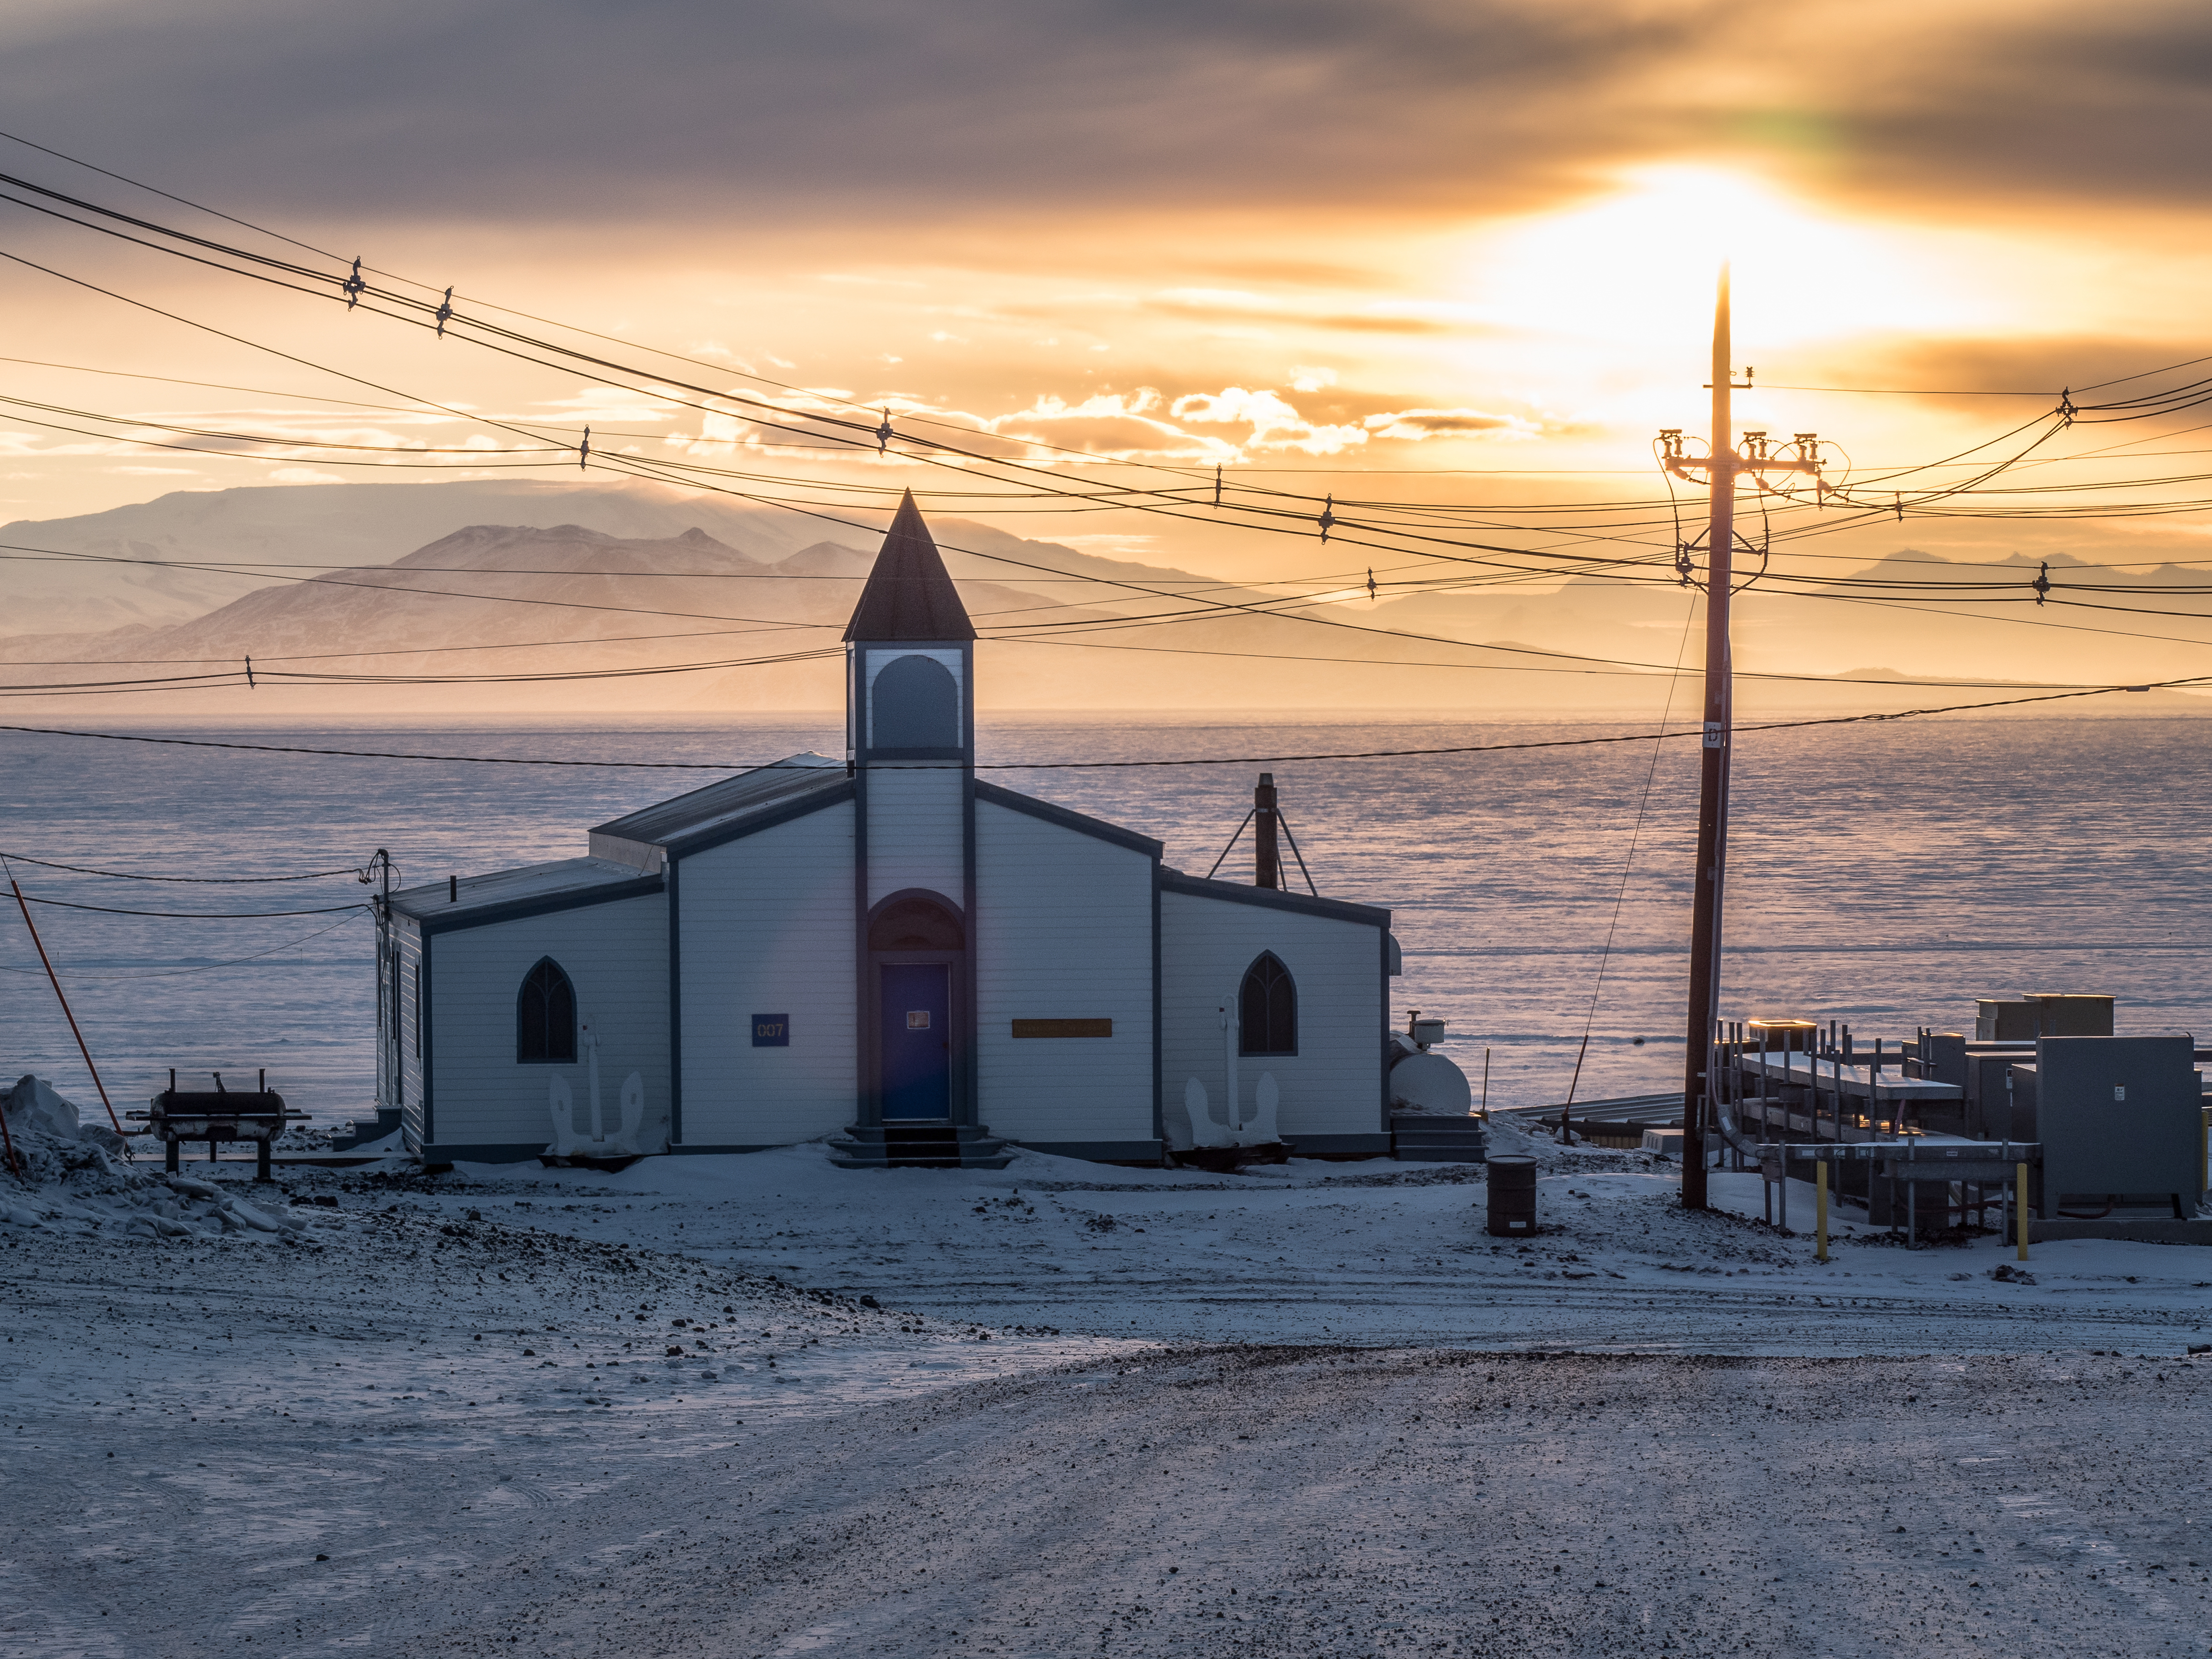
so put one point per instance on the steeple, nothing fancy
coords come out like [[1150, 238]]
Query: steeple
[[909, 595]]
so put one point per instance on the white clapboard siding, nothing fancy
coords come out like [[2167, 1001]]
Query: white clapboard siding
[[1063, 931], [767, 927], [616, 956], [1333, 1084], [407, 940], [915, 835]]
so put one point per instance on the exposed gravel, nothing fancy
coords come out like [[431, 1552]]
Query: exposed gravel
[[1244, 1501], [758, 1406]]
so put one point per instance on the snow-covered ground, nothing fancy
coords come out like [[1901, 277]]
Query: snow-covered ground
[[758, 1405]]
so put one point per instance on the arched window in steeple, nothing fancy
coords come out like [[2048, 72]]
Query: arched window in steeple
[[1267, 1008], [545, 1017], [917, 705]]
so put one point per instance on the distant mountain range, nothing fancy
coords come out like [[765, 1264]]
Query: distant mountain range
[[372, 588]]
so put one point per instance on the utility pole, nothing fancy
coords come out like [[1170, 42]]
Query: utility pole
[[1725, 463], [387, 983]]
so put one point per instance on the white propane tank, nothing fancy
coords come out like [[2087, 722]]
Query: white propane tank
[[1427, 1082]]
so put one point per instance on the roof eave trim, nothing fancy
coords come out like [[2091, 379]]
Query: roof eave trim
[[1097, 829], [1270, 898], [542, 904], [701, 841]]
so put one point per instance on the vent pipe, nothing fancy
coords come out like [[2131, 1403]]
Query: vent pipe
[[1268, 870]]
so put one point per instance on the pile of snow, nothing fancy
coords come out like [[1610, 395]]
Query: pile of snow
[[68, 1173]]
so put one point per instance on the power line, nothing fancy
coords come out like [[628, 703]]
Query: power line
[[1115, 765], [355, 290], [1177, 504], [198, 915], [1170, 503], [1897, 391], [353, 870], [197, 968]]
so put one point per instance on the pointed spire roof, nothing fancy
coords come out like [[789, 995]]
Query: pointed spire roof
[[909, 595]]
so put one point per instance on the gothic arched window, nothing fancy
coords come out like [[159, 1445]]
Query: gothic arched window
[[1268, 1009], [915, 921], [917, 705], [545, 1017]]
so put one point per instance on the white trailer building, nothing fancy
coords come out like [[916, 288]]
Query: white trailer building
[[886, 951]]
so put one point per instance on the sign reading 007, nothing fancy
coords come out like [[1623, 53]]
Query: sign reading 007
[[771, 1031]]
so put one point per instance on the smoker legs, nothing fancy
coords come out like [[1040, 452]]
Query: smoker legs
[[172, 1153]]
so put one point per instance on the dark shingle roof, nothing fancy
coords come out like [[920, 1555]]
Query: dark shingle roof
[[564, 878], [748, 792], [909, 595]]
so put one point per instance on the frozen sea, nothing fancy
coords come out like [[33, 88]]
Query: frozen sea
[[1885, 875]]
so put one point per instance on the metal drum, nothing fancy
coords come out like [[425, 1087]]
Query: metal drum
[[1512, 1195]]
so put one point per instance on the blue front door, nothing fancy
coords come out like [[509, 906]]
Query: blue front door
[[917, 1039]]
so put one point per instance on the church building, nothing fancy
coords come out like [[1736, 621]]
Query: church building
[[884, 951]]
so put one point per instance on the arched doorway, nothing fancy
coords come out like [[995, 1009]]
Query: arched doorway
[[917, 947]]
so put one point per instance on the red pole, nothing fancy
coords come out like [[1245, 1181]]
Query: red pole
[[55, 980]]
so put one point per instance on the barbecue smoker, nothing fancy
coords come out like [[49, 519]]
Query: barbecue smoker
[[219, 1115]]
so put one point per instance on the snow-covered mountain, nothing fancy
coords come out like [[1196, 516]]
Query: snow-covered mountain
[[636, 597]]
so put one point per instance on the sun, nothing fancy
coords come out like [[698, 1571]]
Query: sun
[[1638, 264]]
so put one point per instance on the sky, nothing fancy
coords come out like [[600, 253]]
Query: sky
[[1457, 254]]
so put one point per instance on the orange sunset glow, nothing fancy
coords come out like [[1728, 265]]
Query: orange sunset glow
[[1154, 828], [1460, 257]]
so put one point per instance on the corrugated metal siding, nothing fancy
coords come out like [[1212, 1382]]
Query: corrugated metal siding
[[1063, 931], [1332, 1085], [407, 940], [767, 927], [616, 955], [915, 835]]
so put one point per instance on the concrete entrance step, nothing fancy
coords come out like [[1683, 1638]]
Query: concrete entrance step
[[1433, 1137], [922, 1145]]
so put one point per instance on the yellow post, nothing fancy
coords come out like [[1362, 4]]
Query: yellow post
[[2020, 1205], [1820, 1207]]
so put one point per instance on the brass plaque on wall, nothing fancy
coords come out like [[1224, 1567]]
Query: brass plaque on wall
[[1063, 1028]]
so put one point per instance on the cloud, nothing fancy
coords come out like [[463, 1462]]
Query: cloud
[[2022, 102], [1414, 425], [1274, 423], [569, 110], [607, 402], [1228, 306], [1303, 378], [1144, 423], [1980, 373], [718, 434], [716, 350], [1123, 424]]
